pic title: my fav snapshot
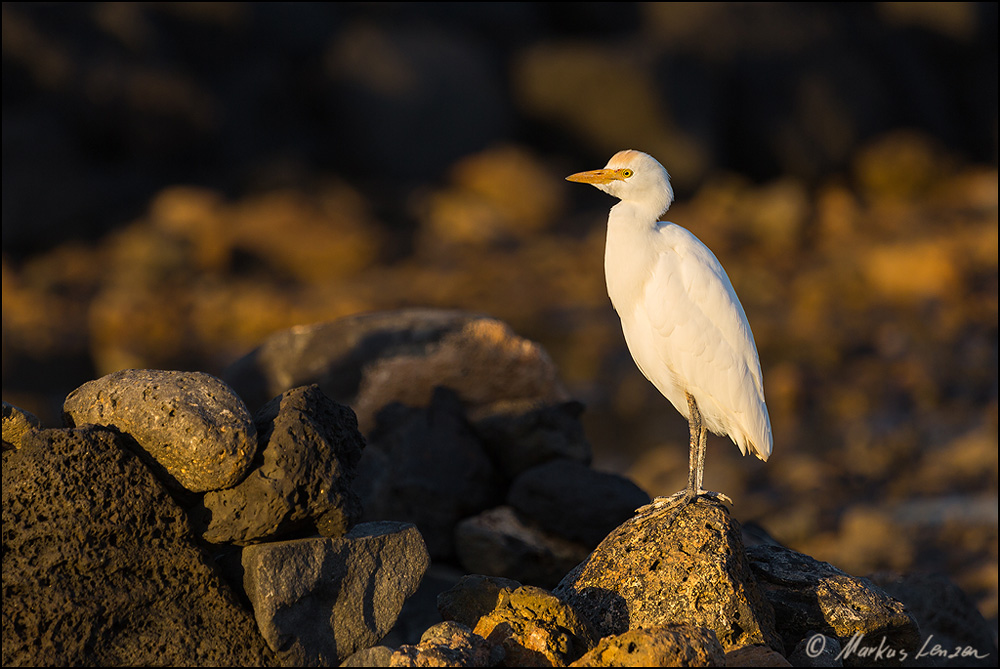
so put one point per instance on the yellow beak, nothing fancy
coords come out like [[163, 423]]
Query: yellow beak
[[602, 176]]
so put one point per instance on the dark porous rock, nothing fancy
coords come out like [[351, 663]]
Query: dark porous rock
[[319, 600], [816, 650], [448, 644], [427, 467], [473, 597], [810, 596], [658, 646], [309, 457], [191, 424], [498, 543], [755, 656], [536, 629], [376, 656], [694, 570], [575, 502], [521, 434], [948, 619], [16, 422], [99, 567], [371, 360]]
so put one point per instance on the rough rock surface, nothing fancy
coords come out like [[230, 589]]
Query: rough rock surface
[[310, 449], [371, 360], [99, 567], [536, 629], [376, 656], [473, 597], [16, 422], [498, 543], [319, 600], [575, 502], [809, 595], [448, 644], [816, 650], [693, 571], [427, 467], [659, 646], [191, 424], [755, 656], [521, 434], [947, 617]]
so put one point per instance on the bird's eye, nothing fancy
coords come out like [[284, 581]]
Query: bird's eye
[[626, 173]]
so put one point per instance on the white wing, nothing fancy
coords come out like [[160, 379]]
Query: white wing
[[701, 336]]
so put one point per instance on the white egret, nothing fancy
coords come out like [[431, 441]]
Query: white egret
[[682, 321]]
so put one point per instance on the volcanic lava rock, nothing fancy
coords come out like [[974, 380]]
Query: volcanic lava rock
[[309, 456], [191, 424], [100, 567], [694, 570]]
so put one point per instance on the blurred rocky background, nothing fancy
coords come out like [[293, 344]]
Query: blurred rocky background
[[180, 181]]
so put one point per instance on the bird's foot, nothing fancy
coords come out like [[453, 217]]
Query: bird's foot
[[681, 500]]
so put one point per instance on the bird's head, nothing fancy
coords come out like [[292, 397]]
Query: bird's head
[[634, 177]]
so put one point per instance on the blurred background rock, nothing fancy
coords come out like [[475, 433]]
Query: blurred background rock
[[182, 180]]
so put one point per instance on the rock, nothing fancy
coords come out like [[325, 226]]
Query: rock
[[376, 656], [319, 600], [520, 434], [420, 611], [536, 629], [693, 571], [473, 597], [310, 449], [498, 543], [426, 466], [575, 502], [16, 423], [371, 360], [658, 646], [816, 650], [99, 566], [947, 617], [812, 596], [755, 656], [191, 424], [448, 644]]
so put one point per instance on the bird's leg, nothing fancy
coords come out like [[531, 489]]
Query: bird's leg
[[696, 469], [696, 456]]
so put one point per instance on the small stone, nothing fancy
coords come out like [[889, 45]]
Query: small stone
[[191, 424], [448, 644], [473, 597], [16, 422], [536, 629]]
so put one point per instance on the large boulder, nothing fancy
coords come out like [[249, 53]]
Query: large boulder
[[100, 568], [810, 596], [650, 571]]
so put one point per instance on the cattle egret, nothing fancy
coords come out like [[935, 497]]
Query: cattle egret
[[682, 321]]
